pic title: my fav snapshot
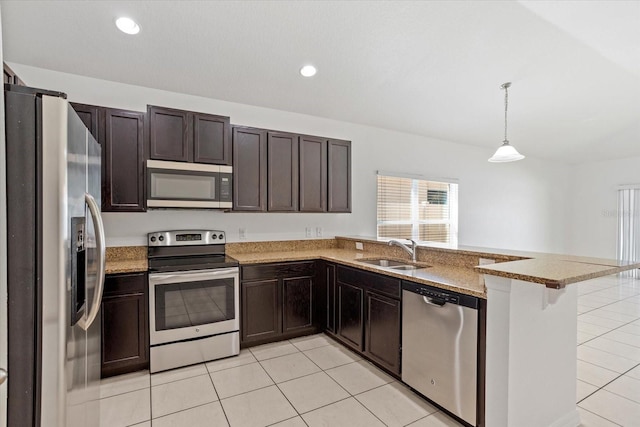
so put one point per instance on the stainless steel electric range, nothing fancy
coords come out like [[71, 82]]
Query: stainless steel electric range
[[194, 291]]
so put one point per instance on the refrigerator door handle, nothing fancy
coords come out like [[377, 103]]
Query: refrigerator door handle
[[101, 246]]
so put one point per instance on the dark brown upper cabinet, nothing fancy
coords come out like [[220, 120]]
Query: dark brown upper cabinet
[[186, 136], [249, 169], [89, 114], [282, 172], [313, 174], [123, 160], [169, 134], [121, 135], [339, 179]]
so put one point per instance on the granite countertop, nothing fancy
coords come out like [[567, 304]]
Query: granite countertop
[[552, 270], [441, 269], [126, 259], [458, 279]]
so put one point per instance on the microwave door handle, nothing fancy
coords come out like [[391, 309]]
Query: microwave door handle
[[96, 217], [164, 278]]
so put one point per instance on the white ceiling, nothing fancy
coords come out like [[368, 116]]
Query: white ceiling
[[430, 68]]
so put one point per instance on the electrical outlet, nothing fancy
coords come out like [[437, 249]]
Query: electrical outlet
[[242, 233], [307, 232], [359, 246], [318, 231]]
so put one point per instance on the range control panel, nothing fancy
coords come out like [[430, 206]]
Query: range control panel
[[186, 238]]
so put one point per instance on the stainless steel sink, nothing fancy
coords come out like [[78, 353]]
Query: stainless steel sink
[[406, 267], [384, 263], [393, 265]]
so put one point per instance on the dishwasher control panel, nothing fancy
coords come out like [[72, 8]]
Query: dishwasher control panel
[[437, 294]]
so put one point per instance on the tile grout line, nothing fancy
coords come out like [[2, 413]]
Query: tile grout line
[[600, 416], [226, 417]]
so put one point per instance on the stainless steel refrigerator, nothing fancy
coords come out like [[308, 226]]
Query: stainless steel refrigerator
[[56, 261]]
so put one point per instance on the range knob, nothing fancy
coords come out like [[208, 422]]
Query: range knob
[[161, 238], [213, 236], [221, 236], [153, 239]]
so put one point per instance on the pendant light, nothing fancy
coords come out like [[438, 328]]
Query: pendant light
[[506, 152]]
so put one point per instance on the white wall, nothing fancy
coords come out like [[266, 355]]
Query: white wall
[[592, 220], [516, 205]]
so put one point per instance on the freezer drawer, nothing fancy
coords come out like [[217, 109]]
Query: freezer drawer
[[439, 349]]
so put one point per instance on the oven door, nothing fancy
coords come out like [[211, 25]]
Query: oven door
[[193, 304]]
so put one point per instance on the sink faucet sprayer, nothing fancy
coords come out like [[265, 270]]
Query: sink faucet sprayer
[[411, 251]]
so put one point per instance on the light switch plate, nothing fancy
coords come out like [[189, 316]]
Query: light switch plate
[[359, 246], [318, 231], [307, 232]]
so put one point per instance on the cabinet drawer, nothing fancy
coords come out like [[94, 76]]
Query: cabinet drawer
[[370, 281], [122, 284], [277, 271]]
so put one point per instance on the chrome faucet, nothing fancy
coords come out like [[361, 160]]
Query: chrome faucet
[[411, 251]]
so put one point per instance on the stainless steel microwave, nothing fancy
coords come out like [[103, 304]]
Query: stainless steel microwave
[[188, 185]]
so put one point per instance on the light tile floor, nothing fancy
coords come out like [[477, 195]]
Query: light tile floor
[[608, 392], [313, 381]]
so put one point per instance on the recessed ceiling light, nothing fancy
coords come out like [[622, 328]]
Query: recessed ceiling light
[[127, 25], [308, 71]]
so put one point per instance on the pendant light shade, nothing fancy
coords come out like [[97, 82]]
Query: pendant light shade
[[506, 152]]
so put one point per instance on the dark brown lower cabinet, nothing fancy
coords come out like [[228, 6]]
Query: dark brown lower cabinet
[[277, 301], [382, 331], [328, 296], [297, 300], [351, 314], [125, 324], [367, 311], [260, 310]]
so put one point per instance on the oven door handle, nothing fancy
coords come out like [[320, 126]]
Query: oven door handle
[[191, 276]]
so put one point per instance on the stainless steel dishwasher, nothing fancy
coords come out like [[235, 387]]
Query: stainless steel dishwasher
[[439, 347]]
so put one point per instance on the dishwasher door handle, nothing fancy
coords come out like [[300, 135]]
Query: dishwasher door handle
[[434, 301]]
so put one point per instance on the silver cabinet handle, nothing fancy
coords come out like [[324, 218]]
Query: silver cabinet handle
[[167, 278], [433, 301], [3, 375], [101, 246]]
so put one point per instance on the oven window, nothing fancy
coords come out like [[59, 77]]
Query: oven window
[[182, 185], [194, 303]]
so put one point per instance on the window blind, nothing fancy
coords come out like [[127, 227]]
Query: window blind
[[411, 208]]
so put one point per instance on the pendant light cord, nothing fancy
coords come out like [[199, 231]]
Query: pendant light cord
[[506, 102]]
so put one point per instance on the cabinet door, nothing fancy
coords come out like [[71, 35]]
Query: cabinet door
[[297, 304], [123, 162], [339, 177], [282, 172], [125, 327], [89, 114], [330, 271], [313, 174], [211, 139], [350, 314], [261, 314], [169, 135], [249, 169], [382, 331]]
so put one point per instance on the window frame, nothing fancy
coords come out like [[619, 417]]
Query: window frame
[[415, 222]]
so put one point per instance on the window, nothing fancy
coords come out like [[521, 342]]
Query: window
[[412, 208]]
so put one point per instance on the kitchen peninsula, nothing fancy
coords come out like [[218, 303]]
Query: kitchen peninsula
[[529, 302]]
